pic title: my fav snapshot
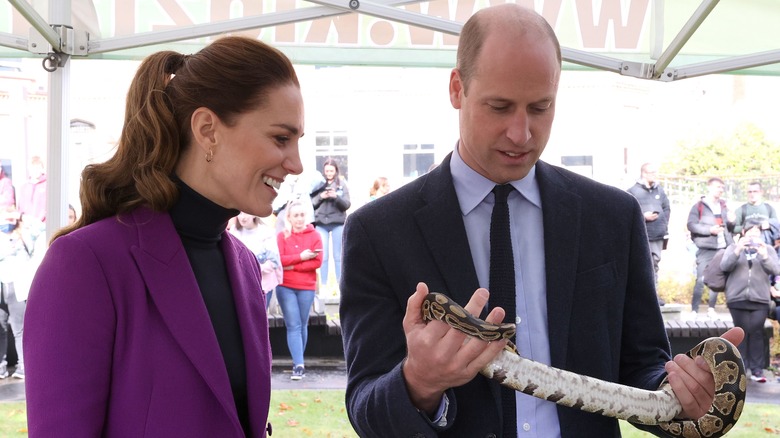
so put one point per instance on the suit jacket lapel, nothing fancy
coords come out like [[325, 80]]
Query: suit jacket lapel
[[441, 224], [561, 210], [158, 254]]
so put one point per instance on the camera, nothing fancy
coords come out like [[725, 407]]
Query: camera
[[753, 243]]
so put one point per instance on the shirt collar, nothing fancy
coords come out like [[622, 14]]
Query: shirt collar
[[472, 188]]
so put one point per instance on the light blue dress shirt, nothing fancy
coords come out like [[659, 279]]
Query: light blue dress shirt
[[535, 417]]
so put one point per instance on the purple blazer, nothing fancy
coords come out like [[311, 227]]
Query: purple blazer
[[118, 342]]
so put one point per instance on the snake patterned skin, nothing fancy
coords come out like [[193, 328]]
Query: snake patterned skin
[[654, 408]]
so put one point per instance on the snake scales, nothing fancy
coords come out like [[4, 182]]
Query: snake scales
[[606, 398]]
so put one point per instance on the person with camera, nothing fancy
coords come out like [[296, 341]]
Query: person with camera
[[749, 262], [331, 202]]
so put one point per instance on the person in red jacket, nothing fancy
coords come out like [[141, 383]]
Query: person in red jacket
[[300, 248]]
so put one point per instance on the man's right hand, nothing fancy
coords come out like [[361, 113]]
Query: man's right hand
[[440, 357]]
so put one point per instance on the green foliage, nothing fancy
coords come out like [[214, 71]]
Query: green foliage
[[746, 152], [310, 413], [13, 419], [304, 413]]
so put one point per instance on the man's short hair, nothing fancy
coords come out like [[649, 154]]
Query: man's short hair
[[477, 27], [715, 179]]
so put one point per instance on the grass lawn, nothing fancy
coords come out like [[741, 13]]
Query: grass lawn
[[321, 413]]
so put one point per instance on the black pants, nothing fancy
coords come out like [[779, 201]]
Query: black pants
[[752, 348], [11, 320]]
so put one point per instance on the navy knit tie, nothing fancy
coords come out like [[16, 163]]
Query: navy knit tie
[[502, 286]]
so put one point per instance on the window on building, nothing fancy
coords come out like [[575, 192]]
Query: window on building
[[418, 158], [582, 164], [333, 144]]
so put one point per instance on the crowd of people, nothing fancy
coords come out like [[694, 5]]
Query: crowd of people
[[743, 243], [22, 222]]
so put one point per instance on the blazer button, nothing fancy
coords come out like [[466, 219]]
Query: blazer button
[[269, 428], [490, 435]]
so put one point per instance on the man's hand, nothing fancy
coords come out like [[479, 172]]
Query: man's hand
[[692, 381], [440, 357], [650, 216]]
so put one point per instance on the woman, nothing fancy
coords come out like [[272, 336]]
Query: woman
[[300, 248], [144, 317], [380, 188], [749, 263], [260, 238], [331, 202]]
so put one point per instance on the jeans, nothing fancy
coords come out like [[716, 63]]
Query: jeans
[[326, 232], [295, 304], [11, 313], [703, 257]]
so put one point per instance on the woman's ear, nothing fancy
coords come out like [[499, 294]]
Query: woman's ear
[[204, 124]]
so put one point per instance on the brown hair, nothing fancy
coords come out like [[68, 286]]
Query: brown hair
[[255, 219], [335, 164], [230, 76], [378, 183], [479, 25]]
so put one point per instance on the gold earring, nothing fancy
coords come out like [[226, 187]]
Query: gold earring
[[209, 155]]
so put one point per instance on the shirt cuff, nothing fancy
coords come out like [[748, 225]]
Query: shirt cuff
[[440, 419]]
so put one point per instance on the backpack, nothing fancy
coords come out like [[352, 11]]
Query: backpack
[[714, 277]]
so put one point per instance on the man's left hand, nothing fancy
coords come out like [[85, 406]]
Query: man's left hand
[[692, 380]]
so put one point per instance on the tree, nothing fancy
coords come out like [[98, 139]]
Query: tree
[[739, 158], [745, 153]]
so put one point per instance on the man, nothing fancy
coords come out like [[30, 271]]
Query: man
[[756, 209], [583, 275], [710, 223], [655, 208]]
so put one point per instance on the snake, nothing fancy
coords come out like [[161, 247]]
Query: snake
[[659, 408]]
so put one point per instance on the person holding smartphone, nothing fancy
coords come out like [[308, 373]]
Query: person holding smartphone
[[656, 210], [300, 248], [331, 202], [749, 263]]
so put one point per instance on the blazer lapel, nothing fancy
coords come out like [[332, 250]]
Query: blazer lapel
[[561, 210], [159, 254], [441, 224], [249, 298]]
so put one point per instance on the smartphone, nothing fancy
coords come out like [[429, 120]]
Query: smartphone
[[317, 250]]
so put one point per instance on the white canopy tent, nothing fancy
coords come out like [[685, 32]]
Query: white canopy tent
[[661, 40]]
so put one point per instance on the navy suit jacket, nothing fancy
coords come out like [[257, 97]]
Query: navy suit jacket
[[604, 319]]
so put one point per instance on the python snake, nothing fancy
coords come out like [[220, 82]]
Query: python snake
[[655, 408]]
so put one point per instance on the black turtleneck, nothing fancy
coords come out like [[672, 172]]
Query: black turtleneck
[[200, 224]]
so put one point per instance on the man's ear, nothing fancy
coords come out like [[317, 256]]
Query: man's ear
[[204, 123], [456, 88]]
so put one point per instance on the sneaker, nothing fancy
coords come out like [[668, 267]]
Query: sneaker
[[18, 374], [3, 375], [759, 379], [712, 314], [298, 372]]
